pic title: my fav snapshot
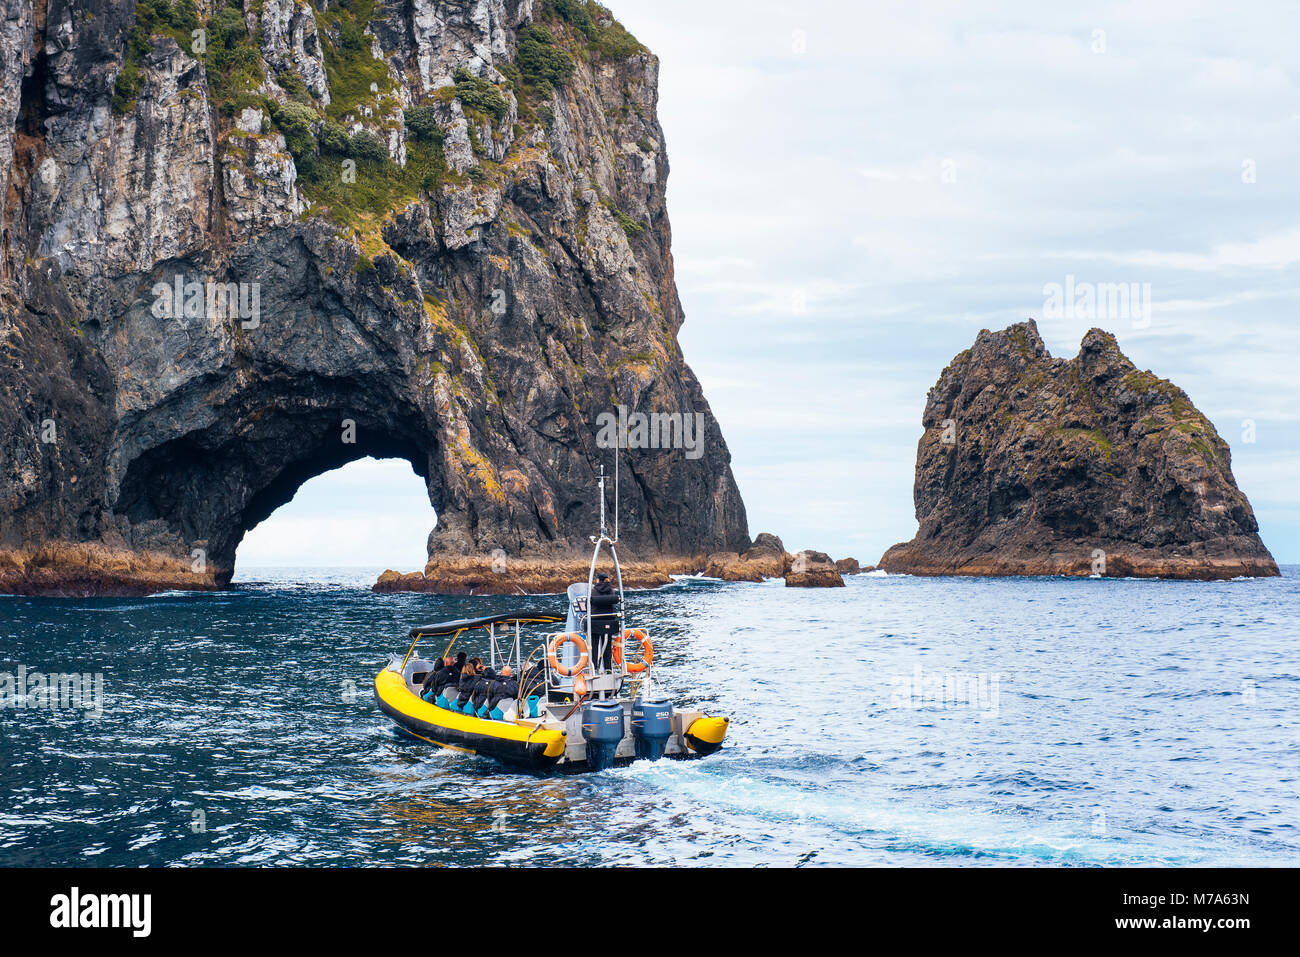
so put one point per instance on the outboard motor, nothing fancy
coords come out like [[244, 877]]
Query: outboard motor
[[602, 726], [652, 726]]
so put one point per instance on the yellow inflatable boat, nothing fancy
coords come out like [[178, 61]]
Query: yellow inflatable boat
[[575, 716]]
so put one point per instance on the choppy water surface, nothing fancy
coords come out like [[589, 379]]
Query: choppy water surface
[[895, 721]]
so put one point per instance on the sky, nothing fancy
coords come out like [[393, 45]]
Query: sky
[[857, 189]]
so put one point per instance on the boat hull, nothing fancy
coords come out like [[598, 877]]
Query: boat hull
[[534, 749], [528, 746]]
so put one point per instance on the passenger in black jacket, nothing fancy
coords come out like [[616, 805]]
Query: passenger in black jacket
[[465, 684], [481, 688], [604, 620], [444, 678], [429, 690], [505, 687]]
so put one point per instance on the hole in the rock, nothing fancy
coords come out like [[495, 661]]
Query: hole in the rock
[[371, 513]]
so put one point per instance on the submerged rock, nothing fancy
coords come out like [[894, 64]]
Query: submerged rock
[[1031, 465]]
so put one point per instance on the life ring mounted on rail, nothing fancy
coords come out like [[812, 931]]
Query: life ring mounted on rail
[[553, 654], [647, 650]]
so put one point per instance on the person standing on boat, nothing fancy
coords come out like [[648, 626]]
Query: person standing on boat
[[604, 620]]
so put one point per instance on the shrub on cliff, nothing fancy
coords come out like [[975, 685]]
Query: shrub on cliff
[[232, 59], [369, 148], [422, 124], [295, 121], [349, 67], [605, 36], [480, 95], [542, 62], [334, 140]]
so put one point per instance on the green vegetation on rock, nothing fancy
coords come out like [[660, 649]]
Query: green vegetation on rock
[[174, 18], [422, 124], [349, 66], [543, 64], [1093, 435], [632, 227], [378, 187], [479, 95], [233, 63], [604, 35]]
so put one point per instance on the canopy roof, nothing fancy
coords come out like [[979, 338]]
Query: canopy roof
[[461, 624]]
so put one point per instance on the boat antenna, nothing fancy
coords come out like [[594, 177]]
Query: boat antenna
[[602, 501], [615, 493]]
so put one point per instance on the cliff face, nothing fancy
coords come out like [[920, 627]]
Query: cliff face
[[238, 257], [1038, 466]]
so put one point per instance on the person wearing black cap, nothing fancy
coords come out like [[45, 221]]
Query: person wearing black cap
[[604, 620]]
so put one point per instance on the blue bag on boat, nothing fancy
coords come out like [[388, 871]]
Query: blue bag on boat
[[532, 705]]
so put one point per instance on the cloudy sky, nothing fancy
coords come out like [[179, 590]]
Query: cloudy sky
[[858, 189]]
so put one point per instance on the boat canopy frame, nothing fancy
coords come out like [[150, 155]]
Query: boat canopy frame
[[456, 627], [468, 624]]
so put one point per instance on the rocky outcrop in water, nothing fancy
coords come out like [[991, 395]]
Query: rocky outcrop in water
[[813, 569], [244, 244], [1031, 465]]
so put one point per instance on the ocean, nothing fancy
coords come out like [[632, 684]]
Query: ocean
[[896, 721]]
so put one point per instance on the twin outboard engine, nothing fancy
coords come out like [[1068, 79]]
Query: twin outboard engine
[[602, 726], [652, 726]]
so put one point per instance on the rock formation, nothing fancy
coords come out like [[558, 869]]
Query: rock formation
[[766, 558], [1031, 465], [527, 576], [244, 243], [811, 569]]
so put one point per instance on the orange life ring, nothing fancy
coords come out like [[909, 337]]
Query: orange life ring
[[552, 655], [647, 650]]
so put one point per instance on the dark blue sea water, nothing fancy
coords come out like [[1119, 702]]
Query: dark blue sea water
[[899, 720]]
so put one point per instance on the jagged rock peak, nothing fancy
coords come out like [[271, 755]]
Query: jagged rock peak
[[1035, 465]]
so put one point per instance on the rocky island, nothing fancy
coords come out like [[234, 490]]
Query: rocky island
[[247, 243], [1032, 465]]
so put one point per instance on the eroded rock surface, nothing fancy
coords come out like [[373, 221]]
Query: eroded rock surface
[[1031, 465], [496, 273], [812, 569]]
